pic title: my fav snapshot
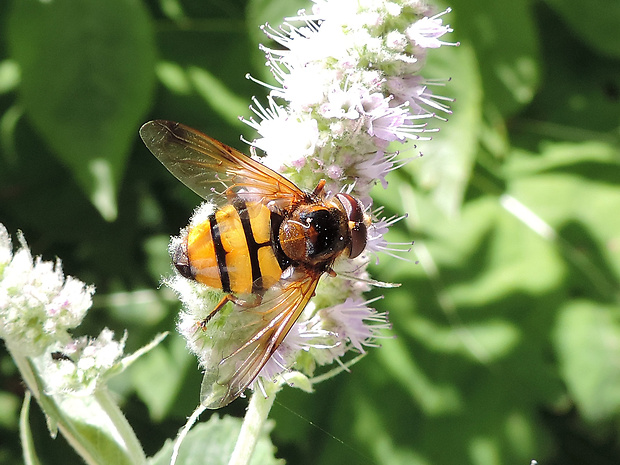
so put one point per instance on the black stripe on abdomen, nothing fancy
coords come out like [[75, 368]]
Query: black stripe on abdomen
[[220, 253], [253, 246]]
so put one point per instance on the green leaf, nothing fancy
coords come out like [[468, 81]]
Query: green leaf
[[448, 158], [86, 89], [578, 96], [156, 251], [577, 201], [95, 425], [9, 407], [596, 22], [142, 306], [432, 397], [590, 159], [91, 422], [159, 376], [225, 102], [586, 341], [372, 427], [218, 96], [213, 442], [9, 76], [25, 433], [203, 85], [496, 338], [506, 43], [510, 257]]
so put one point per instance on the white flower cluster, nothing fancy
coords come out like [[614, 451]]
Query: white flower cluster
[[348, 86], [38, 308], [37, 304], [78, 367]]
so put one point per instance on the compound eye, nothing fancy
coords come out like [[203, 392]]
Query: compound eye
[[359, 236], [357, 223]]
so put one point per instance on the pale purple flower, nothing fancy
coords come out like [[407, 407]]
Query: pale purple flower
[[378, 244], [354, 323], [392, 123], [377, 166], [300, 337], [415, 91], [427, 31], [287, 138]]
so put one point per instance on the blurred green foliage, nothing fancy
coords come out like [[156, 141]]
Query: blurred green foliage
[[507, 325]]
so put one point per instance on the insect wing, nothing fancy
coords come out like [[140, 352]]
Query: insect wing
[[205, 165], [226, 378]]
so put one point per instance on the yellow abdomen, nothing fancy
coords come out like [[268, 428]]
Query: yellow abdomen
[[233, 249]]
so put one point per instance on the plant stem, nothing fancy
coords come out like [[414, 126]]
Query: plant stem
[[121, 426], [191, 421], [255, 417]]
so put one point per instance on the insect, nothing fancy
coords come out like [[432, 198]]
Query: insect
[[266, 245]]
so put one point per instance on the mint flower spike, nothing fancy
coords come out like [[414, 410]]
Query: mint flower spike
[[39, 307], [347, 85]]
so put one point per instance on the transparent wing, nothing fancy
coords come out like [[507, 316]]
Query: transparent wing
[[229, 374], [205, 165]]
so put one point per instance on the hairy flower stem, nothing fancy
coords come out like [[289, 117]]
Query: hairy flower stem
[[255, 417]]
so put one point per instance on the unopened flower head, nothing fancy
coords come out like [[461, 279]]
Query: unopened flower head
[[38, 304]]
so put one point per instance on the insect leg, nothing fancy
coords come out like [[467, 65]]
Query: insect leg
[[227, 298], [249, 303]]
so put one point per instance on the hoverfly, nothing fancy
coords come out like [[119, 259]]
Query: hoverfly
[[266, 245]]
